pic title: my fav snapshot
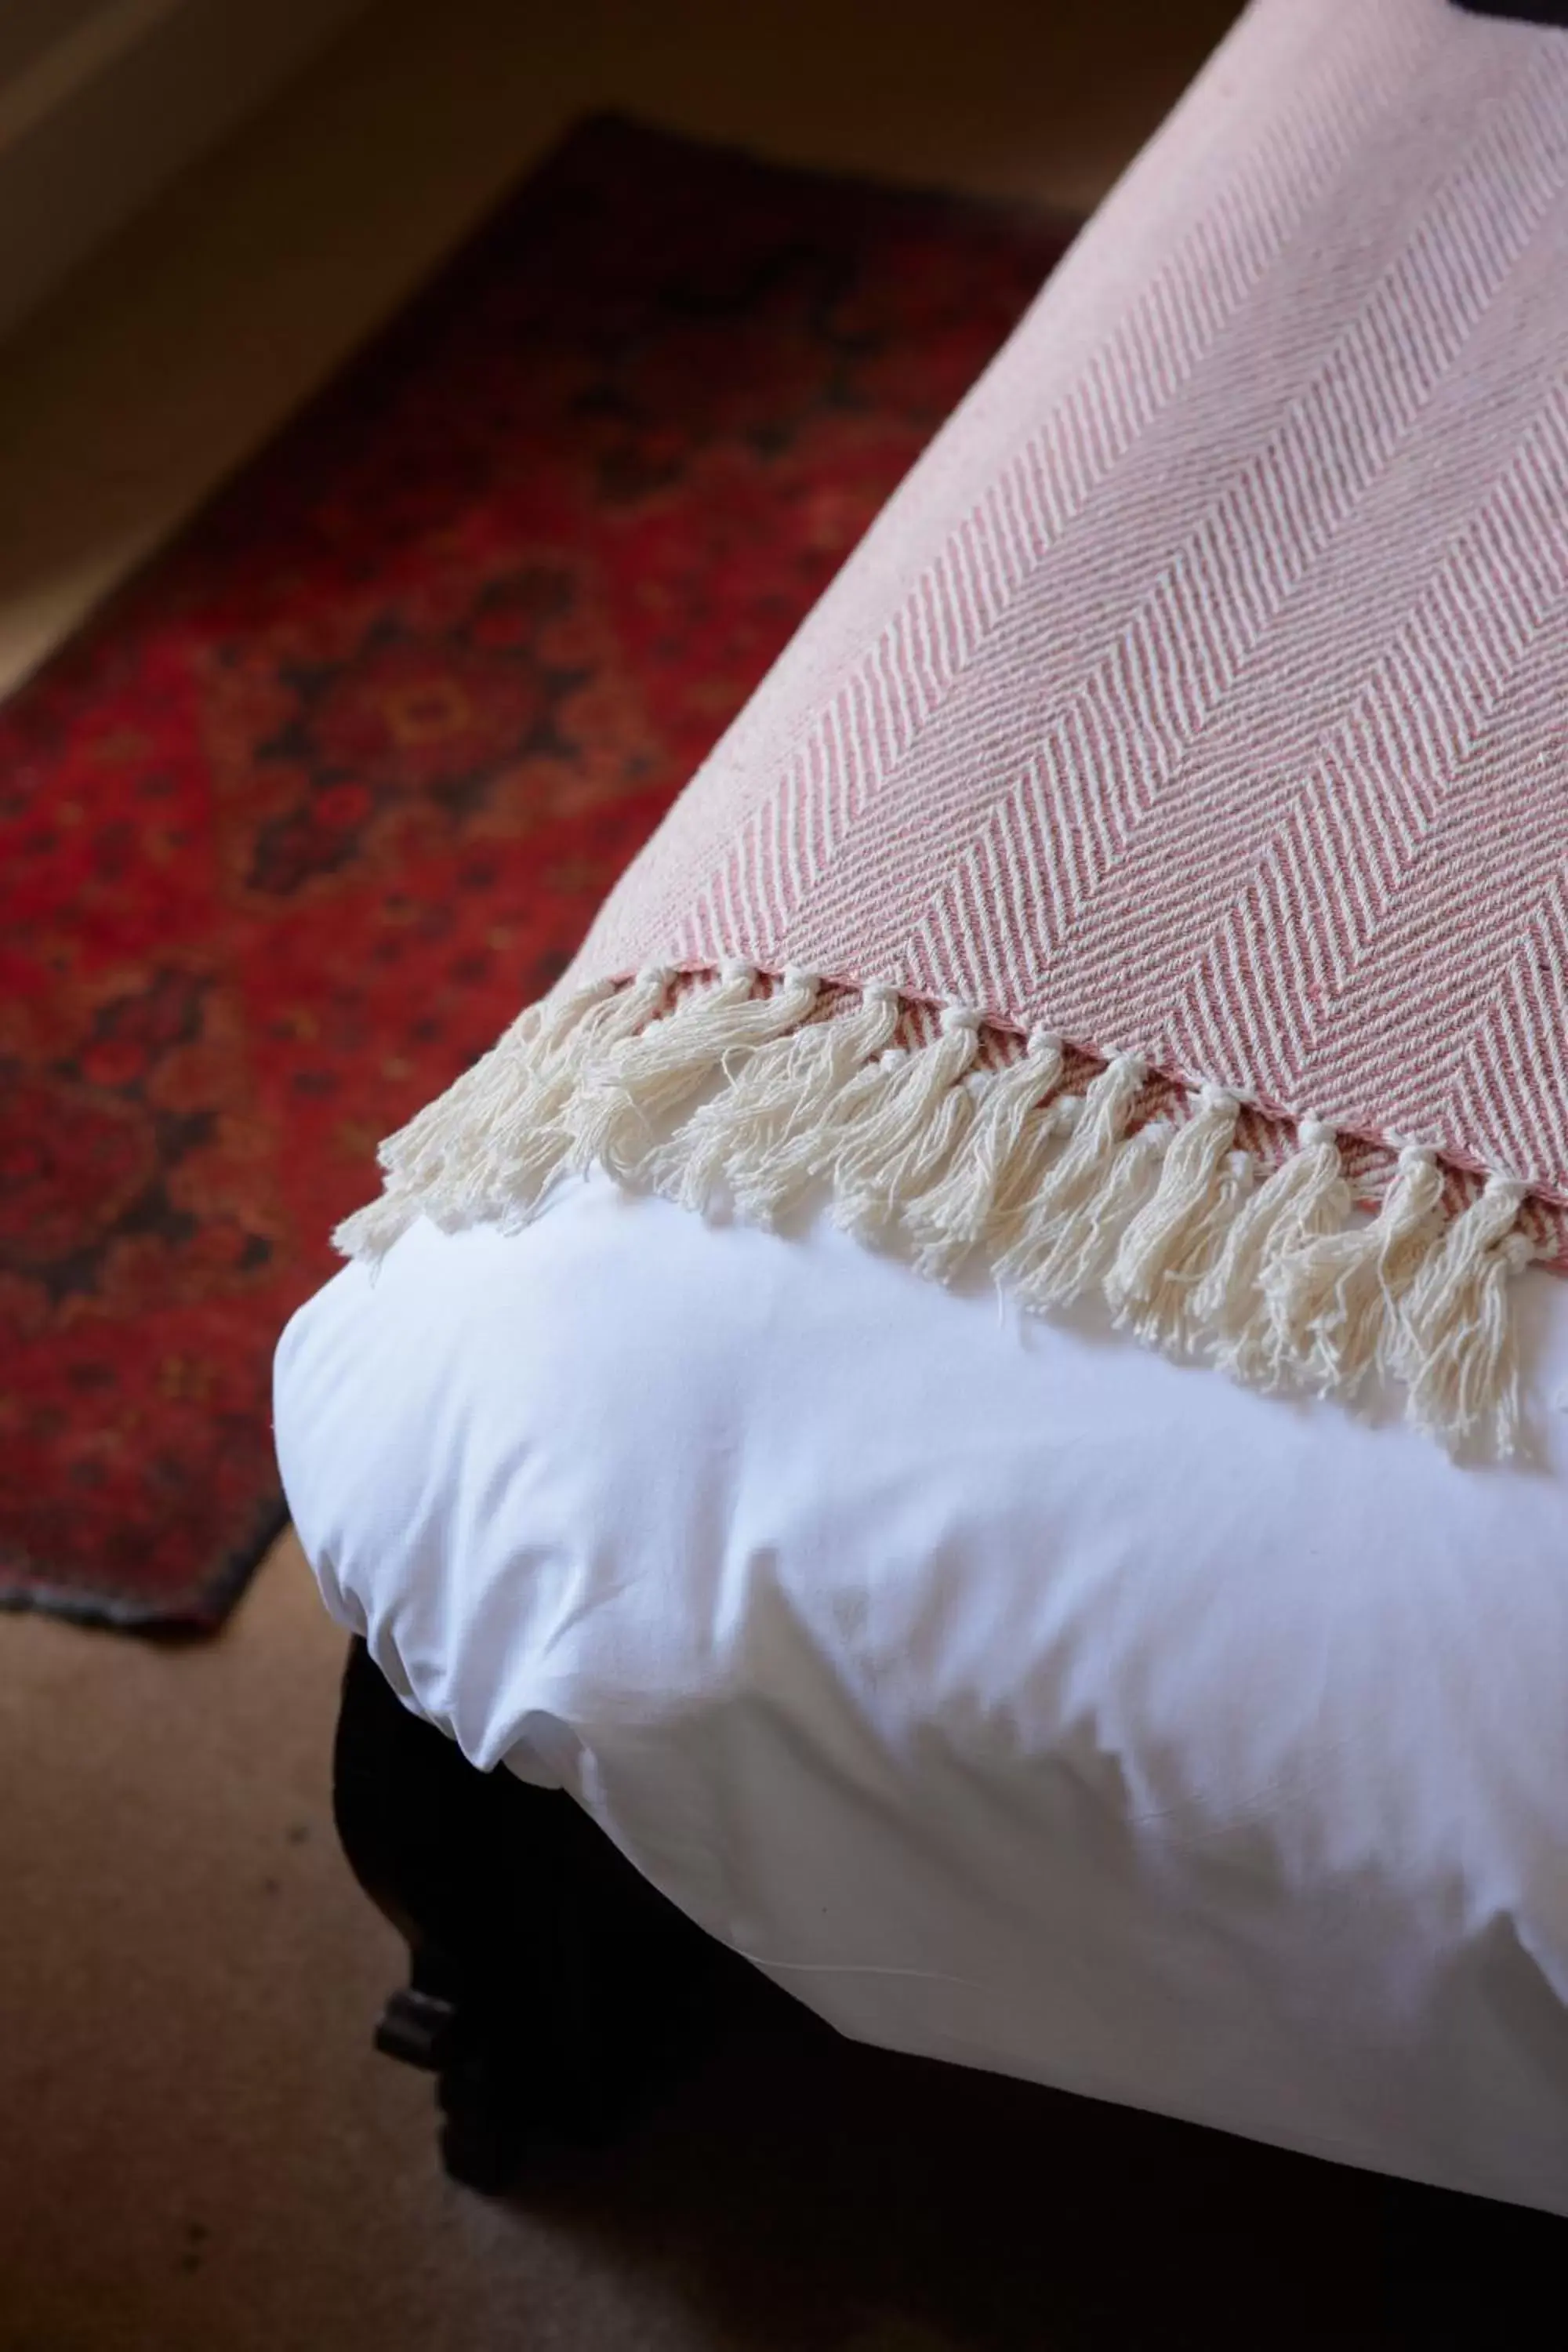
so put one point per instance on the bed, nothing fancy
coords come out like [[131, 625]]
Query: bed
[[1005, 1691]]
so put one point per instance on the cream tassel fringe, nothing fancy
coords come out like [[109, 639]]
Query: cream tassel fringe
[[631, 1096], [1063, 1196], [1076, 1177], [1456, 1348], [992, 1169], [795, 1173], [533, 1136], [1338, 1300], [1240, 1300], [490, 1144], [903, 1132], [742, 1143], [1169, 1245], [1169, 1320], [1084, 1245]]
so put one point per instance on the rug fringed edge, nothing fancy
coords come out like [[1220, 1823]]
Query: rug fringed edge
[[741, 1091]]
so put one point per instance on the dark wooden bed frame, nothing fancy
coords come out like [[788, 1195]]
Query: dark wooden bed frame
[[549, 1983]]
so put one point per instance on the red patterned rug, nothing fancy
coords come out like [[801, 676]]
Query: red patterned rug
[[290, 831]]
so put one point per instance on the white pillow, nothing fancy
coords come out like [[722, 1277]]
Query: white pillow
[[1009, 1693]]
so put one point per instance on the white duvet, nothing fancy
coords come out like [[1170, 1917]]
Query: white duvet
[[1007, 1694]]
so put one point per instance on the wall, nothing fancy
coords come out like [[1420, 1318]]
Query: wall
[[103, 100]]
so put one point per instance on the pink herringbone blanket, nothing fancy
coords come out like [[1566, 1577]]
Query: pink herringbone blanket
[[1152, 853]]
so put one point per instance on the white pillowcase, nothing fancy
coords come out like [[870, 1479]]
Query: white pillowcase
[[1010, 1694]]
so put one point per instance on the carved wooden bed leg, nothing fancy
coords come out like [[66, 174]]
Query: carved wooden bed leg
[[546, 1976]]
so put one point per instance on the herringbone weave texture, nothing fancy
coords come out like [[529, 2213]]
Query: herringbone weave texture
[[1194, 715], [1203, 693]]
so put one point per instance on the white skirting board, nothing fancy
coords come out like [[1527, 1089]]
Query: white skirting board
[[102, 102]]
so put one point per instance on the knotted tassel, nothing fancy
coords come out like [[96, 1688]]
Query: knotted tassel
[[903, 1132], [1084, 1250], [1337, 1300], [789, 1176], [490, 1144], [1455, 1349], [744, 1141], [1238, 1304], [532, 1135], [871, 1214], [617, 1121], [993, 1165], [1171, 1242], [1066, 1192], [527, 1078], [1171, 1322], [418, 1151], [421, 1144]]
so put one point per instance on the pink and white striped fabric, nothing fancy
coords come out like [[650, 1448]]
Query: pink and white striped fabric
[[1204, 693], [1157, 838]]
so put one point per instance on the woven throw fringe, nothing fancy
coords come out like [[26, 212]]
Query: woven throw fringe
[[737, 1092]]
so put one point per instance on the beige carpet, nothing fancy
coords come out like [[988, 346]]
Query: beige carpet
[[198, 2152]]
